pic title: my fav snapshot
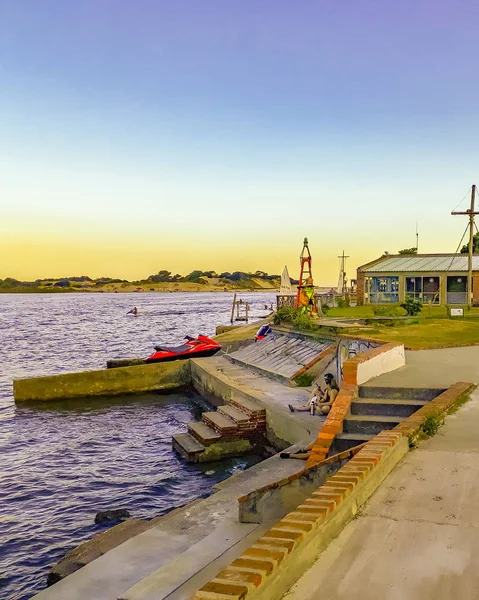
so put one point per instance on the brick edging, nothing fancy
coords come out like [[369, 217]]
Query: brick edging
[[303, 472], [340, 409], [438, 406], [326, 511], [295, 542]]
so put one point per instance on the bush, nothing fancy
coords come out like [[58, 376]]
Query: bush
[[412, 306], [296, 317], [304, 380], [342, 302]]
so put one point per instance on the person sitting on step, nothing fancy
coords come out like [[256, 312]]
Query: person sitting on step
[[321, 399]]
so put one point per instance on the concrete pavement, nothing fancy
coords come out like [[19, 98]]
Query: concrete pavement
[[418, 536], [434, 368]]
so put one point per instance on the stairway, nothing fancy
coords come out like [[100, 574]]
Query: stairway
[[376, 409], [230, 431]]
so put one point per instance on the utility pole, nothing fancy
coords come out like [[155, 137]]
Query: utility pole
[[417, 238], [342, 274], [471, 214]]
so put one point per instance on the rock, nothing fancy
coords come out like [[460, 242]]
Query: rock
[[110, 516]]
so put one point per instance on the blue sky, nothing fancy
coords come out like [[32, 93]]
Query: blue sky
[[188, 134]]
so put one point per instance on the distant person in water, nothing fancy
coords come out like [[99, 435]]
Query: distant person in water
[[133, 311]]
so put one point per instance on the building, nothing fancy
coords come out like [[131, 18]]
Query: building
[[432, 278]]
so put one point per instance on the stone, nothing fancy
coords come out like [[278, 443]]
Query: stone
[[112, 516]]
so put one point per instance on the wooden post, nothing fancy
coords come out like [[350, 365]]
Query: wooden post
[[233, 310], [471, 247], [247, 306]]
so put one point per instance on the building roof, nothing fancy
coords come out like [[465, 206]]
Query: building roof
[[423, 263]]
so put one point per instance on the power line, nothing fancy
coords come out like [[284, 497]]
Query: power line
[[457, 250], [461, 201]]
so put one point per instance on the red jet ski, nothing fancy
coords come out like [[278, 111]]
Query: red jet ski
[[192, 348]]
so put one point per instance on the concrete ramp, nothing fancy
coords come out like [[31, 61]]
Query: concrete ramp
[[281, 355]]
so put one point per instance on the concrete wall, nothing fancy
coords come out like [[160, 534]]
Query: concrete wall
[[274, 501], [382, 361], [108, 382]]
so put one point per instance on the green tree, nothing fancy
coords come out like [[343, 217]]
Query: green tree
[[475, 245], [160, 276], [408, 251]]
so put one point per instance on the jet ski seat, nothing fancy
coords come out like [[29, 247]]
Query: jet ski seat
[[174, 349]]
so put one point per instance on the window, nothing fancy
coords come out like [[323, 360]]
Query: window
[[425, 289], [383, 290], [457, 289]]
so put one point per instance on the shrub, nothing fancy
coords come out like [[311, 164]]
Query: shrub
[[342, 302], [296, 317], [412, 306], [431, 424], [304, 380]]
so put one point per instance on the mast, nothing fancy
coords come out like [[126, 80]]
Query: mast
[[471, 214]]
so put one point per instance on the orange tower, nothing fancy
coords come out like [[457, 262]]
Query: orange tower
[[305, 295]]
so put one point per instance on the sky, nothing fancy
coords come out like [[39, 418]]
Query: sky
[[213, 134]]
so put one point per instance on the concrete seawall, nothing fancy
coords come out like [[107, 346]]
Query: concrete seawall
[[107, 382]]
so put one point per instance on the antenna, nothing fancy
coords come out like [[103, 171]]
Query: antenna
[[417, 238]]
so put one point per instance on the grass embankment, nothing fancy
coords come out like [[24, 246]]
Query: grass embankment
[[415, 333], [365, 312], [425, 334]]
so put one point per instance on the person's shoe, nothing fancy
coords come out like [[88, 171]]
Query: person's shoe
[[284, 455], [291, 407]]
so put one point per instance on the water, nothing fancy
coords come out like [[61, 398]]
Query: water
[[63, 462]]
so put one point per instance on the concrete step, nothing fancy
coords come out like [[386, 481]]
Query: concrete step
[[385, 407], [220, 423], [399, 393], [345, 441], [369, 424], [203, 434], [187, 446], [236, 415]]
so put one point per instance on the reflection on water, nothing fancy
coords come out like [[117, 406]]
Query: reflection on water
[[65, 461]]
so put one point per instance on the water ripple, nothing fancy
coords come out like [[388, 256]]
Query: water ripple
[[65, 461]]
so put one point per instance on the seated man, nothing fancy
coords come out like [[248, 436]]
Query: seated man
[[325, 400], [328, 396]]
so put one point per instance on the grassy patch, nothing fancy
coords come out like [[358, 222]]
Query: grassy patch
[[459, 403], [430, 333], [432, 424], [353, 312]]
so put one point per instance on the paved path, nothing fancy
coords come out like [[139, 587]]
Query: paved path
[[418, 537], [434, 368]]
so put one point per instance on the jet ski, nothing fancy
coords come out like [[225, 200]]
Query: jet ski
[[262, 333], [192, 348]]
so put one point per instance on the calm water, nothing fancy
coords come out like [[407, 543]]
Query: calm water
[[61, 463]]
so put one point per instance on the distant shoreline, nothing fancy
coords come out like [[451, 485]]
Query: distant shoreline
[[199, 289], [206, 284]]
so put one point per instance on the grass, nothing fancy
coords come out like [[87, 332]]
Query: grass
[[430, 333], [432, 424], [364, 312], [459, 403]]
